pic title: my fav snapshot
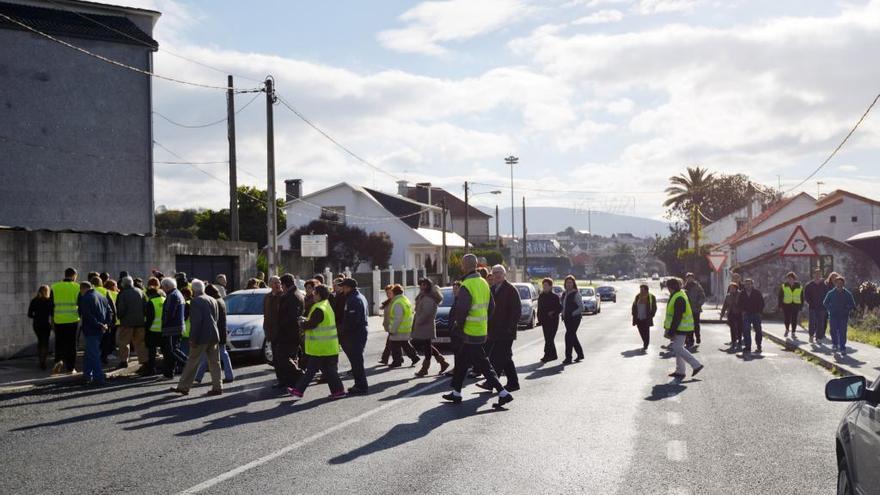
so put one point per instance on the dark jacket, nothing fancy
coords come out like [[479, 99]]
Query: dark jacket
[[751, 303], [40, 310], [462, 307], [270, 315], [173, 313], [549, 307], [338, 305], [839, 303], [696, 296], [780, 295], [131, 307], [356, 321], [652, 309], [731, 306], [814, 294], [94, 313], [508, 308], [221, 320], [290, 308], [203, 316]]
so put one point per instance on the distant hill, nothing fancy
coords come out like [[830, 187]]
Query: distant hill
[[545, 219]]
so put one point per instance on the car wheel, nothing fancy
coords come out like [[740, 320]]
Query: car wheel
[[267, 352], [531, 322], [843, 484], [599, 310]]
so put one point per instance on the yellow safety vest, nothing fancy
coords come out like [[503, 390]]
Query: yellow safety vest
[[322, 340], [158, 302], [687, 319], [477, 322], [791, 296], [407, 323], [112, 295], [65, 295], [186, 325]]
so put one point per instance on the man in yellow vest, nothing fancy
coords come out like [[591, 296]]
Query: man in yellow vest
[[400, 325], [473, 305], [790, 301], [153, 325], [679, 324], [322, 347], [65, 319]]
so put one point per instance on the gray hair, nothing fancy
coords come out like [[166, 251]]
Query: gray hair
[[273, 279], [126, 282], [198, 287], [499, 269], [169, 284], [220, 277], [469, 262]]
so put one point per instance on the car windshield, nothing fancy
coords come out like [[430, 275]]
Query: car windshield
[[524, 292], [587, 292], [605, 290], [447, 297], [244, 304]]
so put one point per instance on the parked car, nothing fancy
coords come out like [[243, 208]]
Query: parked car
[[558, 290], [858, 435], [592, 303], [528, 296], [607, 293], [610, 278], [444, 327], [655, 276], [244, 323]]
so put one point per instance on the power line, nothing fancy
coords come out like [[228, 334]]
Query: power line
[[122, 65], [192, 163], [839, 146], [201, 126], [532, 189]]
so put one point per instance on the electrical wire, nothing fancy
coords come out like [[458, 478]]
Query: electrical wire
[[125, 66], [839, 146], [532, 189], [201, 126]]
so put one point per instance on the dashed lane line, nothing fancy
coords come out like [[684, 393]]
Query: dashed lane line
[[676, 450]]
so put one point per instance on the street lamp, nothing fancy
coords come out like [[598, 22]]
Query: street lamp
[[467, 211], [511, 160]]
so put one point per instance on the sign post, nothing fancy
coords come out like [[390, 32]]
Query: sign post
[[799, 244], [313, 246], [716, 260]]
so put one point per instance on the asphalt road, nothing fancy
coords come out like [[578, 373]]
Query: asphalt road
[[613, 423]]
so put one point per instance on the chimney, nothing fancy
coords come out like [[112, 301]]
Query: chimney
[[294, 189], [402, 187]]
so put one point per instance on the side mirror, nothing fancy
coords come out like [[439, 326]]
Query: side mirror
[[847, 389]]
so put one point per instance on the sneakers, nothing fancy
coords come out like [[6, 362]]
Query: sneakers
[[335, 395], [697, 370], [512, 388], [395, 365], [443, 367], [58, 368], [502, 400], [294, 392], [485, 386], [786, 333], [212, 393], [357, 391], [455, 399]]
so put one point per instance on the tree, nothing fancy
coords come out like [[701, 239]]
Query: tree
[[667, 248], [687, 192], [724, 195], [176, 223], [347, 246], [493, 257], [622, 260]]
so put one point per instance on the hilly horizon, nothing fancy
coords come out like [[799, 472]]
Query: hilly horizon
[[548, 219]]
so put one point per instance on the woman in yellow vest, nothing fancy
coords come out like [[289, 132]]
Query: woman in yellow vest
[[399, 315], [322, 347], [679, 323], [790, 301], [153, 324]]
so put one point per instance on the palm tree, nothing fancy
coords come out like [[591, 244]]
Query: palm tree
[[687, 191]]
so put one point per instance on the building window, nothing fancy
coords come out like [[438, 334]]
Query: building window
[[418, 260], [437, 219], [333, 213], [423, 222], [855, 219], [833, 219]]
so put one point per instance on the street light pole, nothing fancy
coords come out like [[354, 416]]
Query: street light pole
[[467, 217], [511, 160]]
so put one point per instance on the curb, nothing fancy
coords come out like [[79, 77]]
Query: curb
[[823, 360], [25, 385]]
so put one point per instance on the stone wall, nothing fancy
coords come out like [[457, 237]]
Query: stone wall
[[31, 258]]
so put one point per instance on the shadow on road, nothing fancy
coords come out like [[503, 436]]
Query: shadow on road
[[665, 391], [634, 352], [544, 372], [426, 423]]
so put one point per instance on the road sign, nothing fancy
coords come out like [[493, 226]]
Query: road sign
[[313, 246], [716, 260], [799, 244]]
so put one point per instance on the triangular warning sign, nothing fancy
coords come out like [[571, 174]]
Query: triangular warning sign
[[716, 260], [799, 244]]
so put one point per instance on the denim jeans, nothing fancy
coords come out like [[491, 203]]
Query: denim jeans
[[354, 345], [752, 320], [92, 360], [818, 320], [225, 363], [839, 326]]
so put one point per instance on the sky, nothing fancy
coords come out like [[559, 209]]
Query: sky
[[601, 100]]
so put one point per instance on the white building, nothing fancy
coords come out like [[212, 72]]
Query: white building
[[413, 227]]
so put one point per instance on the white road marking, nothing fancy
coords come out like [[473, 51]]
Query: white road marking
[[680, 490], [317, 436], [673, 418], [676, 450]]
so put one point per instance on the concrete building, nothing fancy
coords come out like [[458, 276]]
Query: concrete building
[[413, 227], [478, 222], [76, 133]]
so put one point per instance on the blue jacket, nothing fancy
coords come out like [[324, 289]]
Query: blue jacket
[[839, 303], [356, 314], [173, 313], [94, 312]]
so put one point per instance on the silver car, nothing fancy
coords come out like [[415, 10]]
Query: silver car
[[528, 296], [592, 301], [858, 435], [244, 323]]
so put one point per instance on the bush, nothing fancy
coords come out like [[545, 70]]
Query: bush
[[867, 296]]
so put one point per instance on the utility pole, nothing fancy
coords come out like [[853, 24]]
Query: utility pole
[[511, 160], [467, 217], [444, 275], [497, 233], [525, 245], [271, 212], [233, 178]]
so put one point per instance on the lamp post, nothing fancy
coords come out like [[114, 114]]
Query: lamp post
[[467, 206], [511, 160]]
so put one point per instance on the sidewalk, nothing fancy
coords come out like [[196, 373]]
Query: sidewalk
[[861, 359], [21, 374]]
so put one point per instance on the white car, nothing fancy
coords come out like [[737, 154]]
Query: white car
[[592, 302], [528, 296], [244, 323]]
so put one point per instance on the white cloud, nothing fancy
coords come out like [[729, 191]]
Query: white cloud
[[591, 4], [848, 168], [431, 24], [600, 17], [665, 6]]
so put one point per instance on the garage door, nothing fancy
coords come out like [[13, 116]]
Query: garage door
[[208, 267]]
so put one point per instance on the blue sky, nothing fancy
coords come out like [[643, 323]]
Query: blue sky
[[607, 96]]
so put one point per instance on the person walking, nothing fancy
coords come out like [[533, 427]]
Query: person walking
[[220, 284], [225, 361], [131, 310], [153, 325], [644, 307], [204, 339], [731, 308], [679, 322], [829, 286], [473, 307], [108, 340], [354, 337], [549, 309], [386, 318], [399, 328], [425, 325], [287, 342], [322, 347], [502, 330], [40, 311], [270, 308], [839, 303], [697, 297], [814, 295], [789, 300], [173, 324], [572, 314], [456, 337], [65, 321], [94, 312], [751, 303]]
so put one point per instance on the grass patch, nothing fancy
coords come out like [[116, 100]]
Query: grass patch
[[865, 336], [816, 361]]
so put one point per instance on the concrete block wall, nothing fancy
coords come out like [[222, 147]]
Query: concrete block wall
[[29, 259]]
